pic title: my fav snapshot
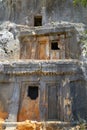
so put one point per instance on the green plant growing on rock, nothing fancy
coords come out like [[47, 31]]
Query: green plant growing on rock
[[82, 2]]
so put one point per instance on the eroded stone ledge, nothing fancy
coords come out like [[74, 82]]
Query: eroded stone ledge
[[34, 125], [41, 67]]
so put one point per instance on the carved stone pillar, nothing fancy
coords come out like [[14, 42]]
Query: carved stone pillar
[[67, 102], [14, 103]]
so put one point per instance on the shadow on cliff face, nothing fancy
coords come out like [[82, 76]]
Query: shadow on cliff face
[[79, 102], [57, 5]]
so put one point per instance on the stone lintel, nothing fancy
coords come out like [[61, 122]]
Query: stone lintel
[[46, 30], [56, 67]]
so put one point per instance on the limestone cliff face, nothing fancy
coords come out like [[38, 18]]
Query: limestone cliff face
[[58, 72], [52, 11], [23, 11]]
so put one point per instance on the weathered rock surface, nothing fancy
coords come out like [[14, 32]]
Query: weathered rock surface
[[9, 43], [63, 78], [34, 125], [11, 33], [23, 12]]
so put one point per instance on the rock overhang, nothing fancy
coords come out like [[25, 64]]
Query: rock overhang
[[46, 30]]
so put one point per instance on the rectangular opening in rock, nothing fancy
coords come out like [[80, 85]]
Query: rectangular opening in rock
[[32, 92], [54, 45], [38, 21]]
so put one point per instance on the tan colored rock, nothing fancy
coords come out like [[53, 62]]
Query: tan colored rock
[[3, 115], [28, 125]]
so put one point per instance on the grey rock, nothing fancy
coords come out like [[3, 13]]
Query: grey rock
[[5, 36]]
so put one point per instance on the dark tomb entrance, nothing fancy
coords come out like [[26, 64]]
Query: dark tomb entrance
[[32, 92], [38, 21]]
